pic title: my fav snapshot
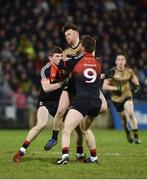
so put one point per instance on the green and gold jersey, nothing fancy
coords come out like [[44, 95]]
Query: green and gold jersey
[[70, 51], [122, 78]]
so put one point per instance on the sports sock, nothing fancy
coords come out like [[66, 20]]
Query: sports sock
[[127, 130], [79, 149], [135, 133], [25, 145], [55, 134], [65, 150], [93, 152]]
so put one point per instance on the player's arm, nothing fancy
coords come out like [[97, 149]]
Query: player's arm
[[48, 87], [46, 83], [69, 63], [108, 74], [108, 87], [135, 81]]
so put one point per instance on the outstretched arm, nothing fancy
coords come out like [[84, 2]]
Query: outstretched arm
[[48, 87], [106, 86], [69, 63], [135, 81], [108, 74]]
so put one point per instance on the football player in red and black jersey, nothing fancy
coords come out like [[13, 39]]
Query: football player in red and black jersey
[[51, 88], [74, 48], [86, 70]]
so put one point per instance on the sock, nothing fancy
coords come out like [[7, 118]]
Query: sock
[[79, 149], [127, 131], [93, 152], [25, 145], [135, 132], [55, 134], [65, 150]]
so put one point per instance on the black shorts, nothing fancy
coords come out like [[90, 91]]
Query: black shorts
[[87, 105], [120, 105], [50, 105]]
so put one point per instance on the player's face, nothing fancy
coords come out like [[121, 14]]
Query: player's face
[[120, 62], [56, 58], [71, 36]]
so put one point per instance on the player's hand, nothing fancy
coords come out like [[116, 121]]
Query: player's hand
[[110, 73], [136, 90], [119, 90], [64, 83]]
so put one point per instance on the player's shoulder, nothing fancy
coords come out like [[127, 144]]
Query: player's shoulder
[[100, 60], [79, 56], [129, 70], [66, 49], [46, 66], [45, 70]]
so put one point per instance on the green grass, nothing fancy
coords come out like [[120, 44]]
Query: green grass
[[118, 158]]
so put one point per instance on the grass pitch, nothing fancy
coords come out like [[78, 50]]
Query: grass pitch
[[118, 158]]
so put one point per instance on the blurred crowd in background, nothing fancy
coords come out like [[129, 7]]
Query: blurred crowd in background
[[29, 28]]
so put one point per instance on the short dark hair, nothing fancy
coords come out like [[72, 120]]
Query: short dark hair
[[121, 53], [88, 43], [55, 49], [70, 26]]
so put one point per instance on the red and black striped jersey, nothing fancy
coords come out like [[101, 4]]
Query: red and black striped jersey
[[54, 74], [86, 70]]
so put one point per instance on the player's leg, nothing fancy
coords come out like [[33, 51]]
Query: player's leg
[[124, 119], [104, 103], [73, 118], [129, 108], [62, 108], [125, 124], [89, 138], [42, 119], [79, 146]]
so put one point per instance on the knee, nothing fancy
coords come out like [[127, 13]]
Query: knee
[[40, 127], [104, 108], [84, 131], [131, 115], [83, 128]]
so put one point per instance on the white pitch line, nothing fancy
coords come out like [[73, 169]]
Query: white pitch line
[[99, 154]]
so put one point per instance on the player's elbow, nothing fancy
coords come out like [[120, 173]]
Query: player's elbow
[[45, 89]]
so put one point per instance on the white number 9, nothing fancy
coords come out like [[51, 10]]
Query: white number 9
[[90, 74]]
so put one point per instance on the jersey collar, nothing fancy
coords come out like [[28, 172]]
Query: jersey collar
[[56, 67], [76, 46]]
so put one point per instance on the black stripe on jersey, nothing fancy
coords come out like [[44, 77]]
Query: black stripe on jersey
[[42, 73], [73, 61], [79, 56]]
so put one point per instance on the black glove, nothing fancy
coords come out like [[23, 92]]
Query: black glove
[[119, 90], [110, 73], [136, 90]]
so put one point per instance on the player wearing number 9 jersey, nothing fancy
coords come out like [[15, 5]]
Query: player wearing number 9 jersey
[[71, 33], [86, 70]]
